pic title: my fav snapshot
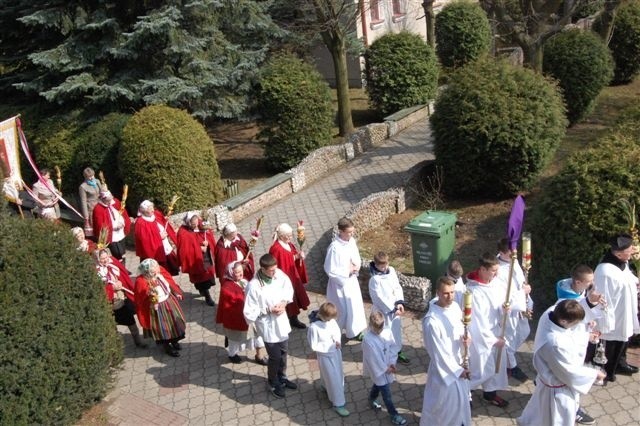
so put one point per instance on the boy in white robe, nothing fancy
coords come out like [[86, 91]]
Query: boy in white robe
[[324, 337], [379, 356], [342, 265], [387, 298], [561, 374], [446, 394], [520, 303], [486, 331]]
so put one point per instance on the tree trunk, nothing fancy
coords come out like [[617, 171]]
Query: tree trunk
[[429, 17], [607, 18], [533, 55], [339, 54]]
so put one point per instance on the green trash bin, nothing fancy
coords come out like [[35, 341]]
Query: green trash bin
[[433, 239]]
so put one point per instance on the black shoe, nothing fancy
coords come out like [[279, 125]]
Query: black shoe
[[517, 374], [296, 323], [288, 383], [172, 352], [583, 418], [235, 359], [278, 391], [176, 346], [626, 370], [610, 378]]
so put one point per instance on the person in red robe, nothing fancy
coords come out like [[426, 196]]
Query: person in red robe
[[119, 291], [155, 238], [84, 245], [231, 247], [157, 298], [110, 215], [239, 336], [196, 250], [291, 262]]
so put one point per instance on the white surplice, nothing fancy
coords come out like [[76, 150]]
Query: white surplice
[[260, 298], [385, 291], [322, 337], [379, 351], [485, 329], [561, 376], [343, 289], [619, 288], [446, 394]]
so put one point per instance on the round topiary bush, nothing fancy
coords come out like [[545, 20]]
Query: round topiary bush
[[296, 109], [583, 66], [495, 127], [165, 152], [98, 146], [59, 341], [463, 33], [625, 42], [402, 71], [580, 205]]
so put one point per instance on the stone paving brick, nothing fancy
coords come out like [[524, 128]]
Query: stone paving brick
[[203, 388]]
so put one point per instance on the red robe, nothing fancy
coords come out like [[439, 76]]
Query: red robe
[[226, 255], [230, 306], [102, 219], [192, 256], [124, 278], [149, 244], [143, 304], [296, 270]]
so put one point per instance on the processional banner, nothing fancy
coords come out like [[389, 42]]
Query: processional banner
[[10, 150]]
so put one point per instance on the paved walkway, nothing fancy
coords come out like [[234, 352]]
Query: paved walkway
[[203, 387]]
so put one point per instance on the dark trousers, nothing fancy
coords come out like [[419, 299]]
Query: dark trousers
[[277, 366], [118, 249], [385, 390], [613, 350]]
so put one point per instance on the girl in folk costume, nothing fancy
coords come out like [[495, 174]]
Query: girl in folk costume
[[109, 214], [46, 196], [159, 312], [85, 245], [231, 247], [119, 290], [231, 304], [196, 248], [155, 238], [291, 262], [324, 336]]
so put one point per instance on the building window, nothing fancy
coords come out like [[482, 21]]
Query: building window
[[398, 10], [374, 8]]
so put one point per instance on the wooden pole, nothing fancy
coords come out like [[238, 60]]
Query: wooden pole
[[505, 307]]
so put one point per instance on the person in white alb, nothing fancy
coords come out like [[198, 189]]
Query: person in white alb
[[267, 295], [324, 337], [446, 394], [342, 265]]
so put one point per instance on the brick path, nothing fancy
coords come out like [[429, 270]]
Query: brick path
[[203, 388]]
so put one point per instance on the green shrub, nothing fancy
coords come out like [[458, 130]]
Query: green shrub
[[583, 66], [628, 122], [580, 207], [97, 147], [463, 33], [402, 71], [495, 127], [296, 109], [59, 341], [165, 152], [625, 42], [587, 8]]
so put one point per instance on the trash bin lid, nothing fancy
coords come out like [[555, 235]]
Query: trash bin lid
[[431, 222]]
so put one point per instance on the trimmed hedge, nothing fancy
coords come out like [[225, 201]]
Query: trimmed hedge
[[583, 66], [402, 71], [59, 341], [296, 108], [163, 152], [580, 206], [463, 33], [495, 127], [625, 42]]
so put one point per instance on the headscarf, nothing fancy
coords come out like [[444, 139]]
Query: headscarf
[[145, 266], [187, 218], [282, 229], [145, 205]]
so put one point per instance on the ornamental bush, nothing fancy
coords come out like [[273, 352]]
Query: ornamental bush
[[97, 147], [495, 127], [462, 32], [401, 71], [296, 109], [165, 152], [580, 205], [59, 340], [625, 42], [583, 66]]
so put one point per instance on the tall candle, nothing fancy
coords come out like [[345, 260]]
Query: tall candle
[[467, 300], [526, 249]]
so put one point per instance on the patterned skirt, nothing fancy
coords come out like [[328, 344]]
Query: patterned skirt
[[167, 322]]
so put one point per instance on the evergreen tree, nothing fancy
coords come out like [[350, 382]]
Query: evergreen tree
[[199, 55]]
